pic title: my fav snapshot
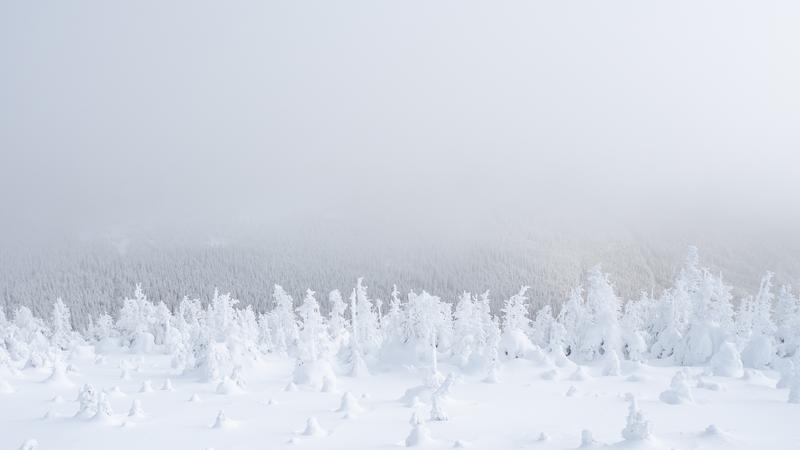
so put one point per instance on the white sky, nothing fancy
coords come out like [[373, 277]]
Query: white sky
[[195, 113]]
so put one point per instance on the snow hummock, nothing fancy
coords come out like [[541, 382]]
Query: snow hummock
[[580, 374], [228, 387], [167, 386], [58, 377], [146, 387], [349, 404], [136, 409], [678, 392], [223, 422], [329, 385], [30, 444], [419, 435], [104, 414], [194, 398], [313, 428]]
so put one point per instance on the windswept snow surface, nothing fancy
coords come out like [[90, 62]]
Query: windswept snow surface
[[514, 413]]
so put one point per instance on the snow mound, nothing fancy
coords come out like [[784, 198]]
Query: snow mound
[[678, 392], [313, 428], [580, 374], [194, 398], [228, 387], [167, 386], [419, 435], [329, 385], [136, 410], [222, 422], [572, 391], [30, 444], [58, 378], [588, 441], [147, 386], [104, 414], [349, 404]]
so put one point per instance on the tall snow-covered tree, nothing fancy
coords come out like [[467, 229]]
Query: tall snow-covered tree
[[313, 341], [602, 333], [572, 318], [62, 336], [284, 324], [787, 321], [365, 323], [337, 323], [516, 325]]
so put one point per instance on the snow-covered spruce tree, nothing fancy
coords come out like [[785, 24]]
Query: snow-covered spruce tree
[[313, 346], [190, 321], [162, 318], [743, 321], [542, 326], [28, 340], [663, 326], [572, 318], [337, 322], [516, 325], [101, 329], [392, 325], [710, 323], [602, 333], [632, 329], [313, 342], [135, 320], [468, 333], [490, 332], [787, 321], [284, 324], [265, 344], [62, 335], [365, 324], [428, 325], [760, 348]]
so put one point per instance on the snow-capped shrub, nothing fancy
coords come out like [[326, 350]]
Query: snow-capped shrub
[[637, 428]]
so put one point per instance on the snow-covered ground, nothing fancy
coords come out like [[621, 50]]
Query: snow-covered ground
[[533, 405]]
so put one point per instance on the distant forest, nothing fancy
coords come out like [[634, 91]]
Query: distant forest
[[94, 277]]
